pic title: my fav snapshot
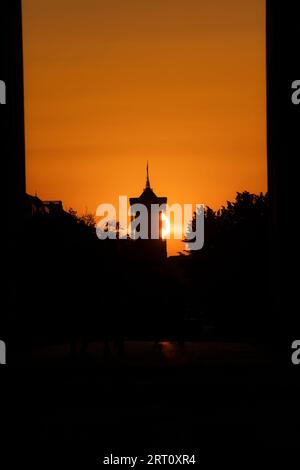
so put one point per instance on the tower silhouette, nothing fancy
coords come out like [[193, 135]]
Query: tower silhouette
[[151, 249]]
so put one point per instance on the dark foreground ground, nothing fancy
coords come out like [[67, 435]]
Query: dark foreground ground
[[226, 403]]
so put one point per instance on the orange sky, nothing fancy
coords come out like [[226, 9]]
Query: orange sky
[[111, 84]]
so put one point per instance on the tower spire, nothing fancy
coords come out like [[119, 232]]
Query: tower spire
[[147, 178]]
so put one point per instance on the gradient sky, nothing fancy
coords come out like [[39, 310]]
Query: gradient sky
[[112, 84]]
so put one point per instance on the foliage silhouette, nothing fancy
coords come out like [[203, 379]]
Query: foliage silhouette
[[74, 286]]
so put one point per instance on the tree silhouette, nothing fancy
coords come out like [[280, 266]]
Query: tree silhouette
[[76, 286], [233, 263]]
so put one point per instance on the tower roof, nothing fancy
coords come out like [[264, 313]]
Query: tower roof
[[148, 196]]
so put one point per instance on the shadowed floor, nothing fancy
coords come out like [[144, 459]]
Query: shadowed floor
[[219, 400], [139, 353]]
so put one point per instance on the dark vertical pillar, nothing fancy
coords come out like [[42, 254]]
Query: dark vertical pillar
[[12, 152], [283, 67], [12, 113]]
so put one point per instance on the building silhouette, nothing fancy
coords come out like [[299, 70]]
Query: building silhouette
[[33, 206], [150, 248]]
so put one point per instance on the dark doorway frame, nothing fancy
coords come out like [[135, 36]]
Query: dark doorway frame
[[282, 142]]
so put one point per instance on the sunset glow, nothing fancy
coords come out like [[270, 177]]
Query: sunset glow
[[112, 84], [166, 226]]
